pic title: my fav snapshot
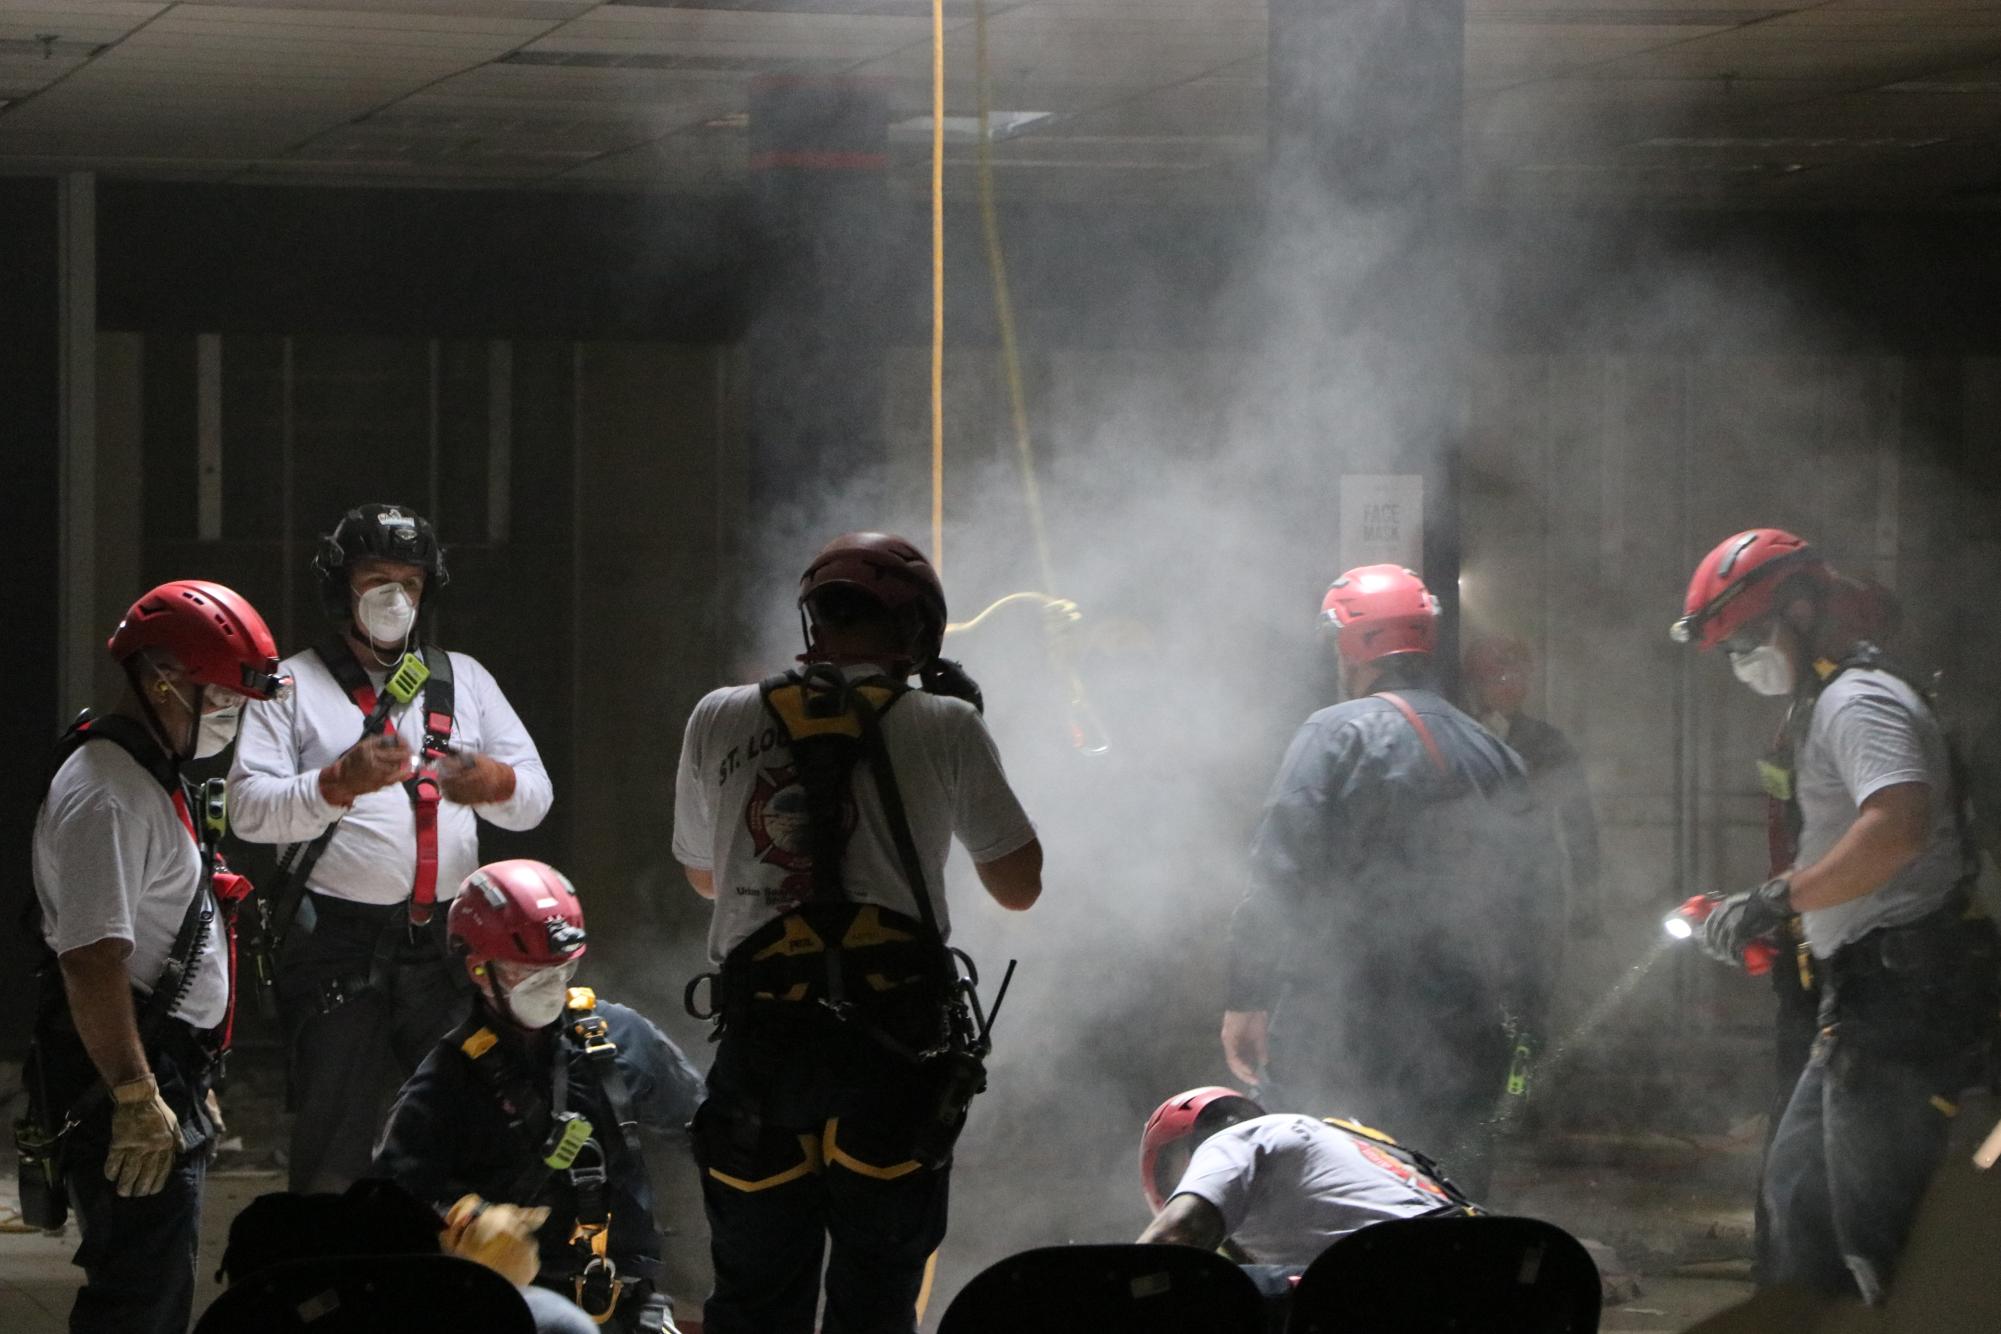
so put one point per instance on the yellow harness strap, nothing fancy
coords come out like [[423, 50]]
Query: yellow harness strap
[[789, 703]]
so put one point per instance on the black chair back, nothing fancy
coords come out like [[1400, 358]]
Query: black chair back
[[1108, 1290], [1450, 1276], [370, 1294]]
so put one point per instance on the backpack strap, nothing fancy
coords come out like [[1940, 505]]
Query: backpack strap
[[817, 711], [1402, 705]]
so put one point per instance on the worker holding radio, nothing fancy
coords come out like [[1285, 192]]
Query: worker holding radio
[[374, 774]]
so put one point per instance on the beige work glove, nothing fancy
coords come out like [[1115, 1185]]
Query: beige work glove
[[215, 1116], [145, 1138], [499, 1236]]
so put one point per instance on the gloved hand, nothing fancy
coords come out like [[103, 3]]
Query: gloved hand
[[473, 779], [369, 765], [215, 1116], [145, 1138], [499, 1236], [1742, 918], [942, 676]]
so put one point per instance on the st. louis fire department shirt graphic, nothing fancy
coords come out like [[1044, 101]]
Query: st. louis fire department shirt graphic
[[740, 812], [777, 820]]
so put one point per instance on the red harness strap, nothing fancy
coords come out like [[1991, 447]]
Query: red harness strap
[[425, 792], [1423, 733]]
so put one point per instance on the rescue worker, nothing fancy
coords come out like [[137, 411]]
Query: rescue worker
[[382, 823], [1496, 672], [1276, 1190], [816, 810], [132, 1007], [1393, 933], [533, 1104], [1906, 962]]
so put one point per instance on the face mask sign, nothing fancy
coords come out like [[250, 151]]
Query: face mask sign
[[386, 613]]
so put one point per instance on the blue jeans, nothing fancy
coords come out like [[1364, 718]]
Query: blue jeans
[[138, 1253], [1867, 1123]]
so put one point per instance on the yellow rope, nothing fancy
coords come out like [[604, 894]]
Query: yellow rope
[[1061, 610], [938, 284], [1024, 445]]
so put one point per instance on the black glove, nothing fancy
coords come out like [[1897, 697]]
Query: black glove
[[942, 676], [1742, 918]]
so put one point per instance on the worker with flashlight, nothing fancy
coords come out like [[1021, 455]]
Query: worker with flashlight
[[1881, 882]]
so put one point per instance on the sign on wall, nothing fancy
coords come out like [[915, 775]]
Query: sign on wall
[[1382, 520]]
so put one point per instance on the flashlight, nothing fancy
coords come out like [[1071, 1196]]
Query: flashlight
[[1681, 923]]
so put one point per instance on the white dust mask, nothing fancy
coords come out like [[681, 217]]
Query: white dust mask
[[218, 729], [386, 613], [1766, 668], [538, 1001]]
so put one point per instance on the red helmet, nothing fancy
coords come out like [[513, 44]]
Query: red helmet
[[1202, 1112], [890, 571], [1497, 660], [212, 631], [1379, 610], [1737, 584], [519, 911]]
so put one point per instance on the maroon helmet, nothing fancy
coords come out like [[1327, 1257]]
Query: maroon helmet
[[1200, 1111], [519, 912], [213, 632], [1378, 610], [889, 571], [1738, 584]]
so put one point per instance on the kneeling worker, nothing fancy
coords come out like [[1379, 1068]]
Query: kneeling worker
[[535, 1102], [1278, 1190]]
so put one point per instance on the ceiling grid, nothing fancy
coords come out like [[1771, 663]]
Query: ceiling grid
[[1692, 103]]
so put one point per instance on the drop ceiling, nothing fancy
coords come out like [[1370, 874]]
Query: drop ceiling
[[1691, 103]]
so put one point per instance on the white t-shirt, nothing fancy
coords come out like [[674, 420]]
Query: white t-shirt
[[1871, 731], [1289, 1186], [114, 862], [274, 781], [738, 808]]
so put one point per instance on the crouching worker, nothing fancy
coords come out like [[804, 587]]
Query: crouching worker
[[1276, 1191], [533, 1104]]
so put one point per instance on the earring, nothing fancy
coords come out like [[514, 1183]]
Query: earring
[[161, 689]]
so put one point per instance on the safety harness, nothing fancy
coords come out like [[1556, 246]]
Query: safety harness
[[1429, 1177], [39, 1135], [1778, 774], [572, 1149], [423, 787], [847, 958]]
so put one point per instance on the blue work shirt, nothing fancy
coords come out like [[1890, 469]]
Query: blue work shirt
[[447, 1135], [1374, 860]]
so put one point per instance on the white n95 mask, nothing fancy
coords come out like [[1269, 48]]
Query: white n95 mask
[[386, 612], [1766, 668], [218, 729], [538, 1001]]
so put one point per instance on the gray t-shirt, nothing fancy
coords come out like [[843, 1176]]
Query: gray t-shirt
[[1870, 731], [1289, 1186], [114, 862], [739, 809]]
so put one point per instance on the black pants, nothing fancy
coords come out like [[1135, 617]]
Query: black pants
[[804, 1145], [1867, 1124], [363, 999], [1427, 1070], [137, 1253]]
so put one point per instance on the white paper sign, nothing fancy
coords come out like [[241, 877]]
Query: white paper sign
[[1382, 520]]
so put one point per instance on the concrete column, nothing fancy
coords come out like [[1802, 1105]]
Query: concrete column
[[824, 244], [80, 636], [1363, 211]]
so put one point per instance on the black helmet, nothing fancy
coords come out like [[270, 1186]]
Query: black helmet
[[384, 532]]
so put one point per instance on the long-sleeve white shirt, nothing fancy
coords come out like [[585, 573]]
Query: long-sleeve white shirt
[[281, 746]]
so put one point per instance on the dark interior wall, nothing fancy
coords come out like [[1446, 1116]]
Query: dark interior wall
[[29, 452]]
